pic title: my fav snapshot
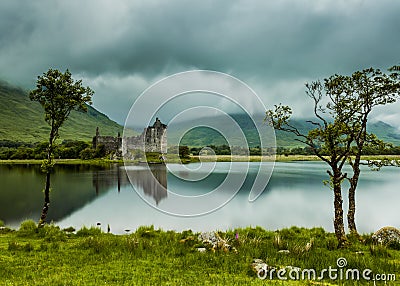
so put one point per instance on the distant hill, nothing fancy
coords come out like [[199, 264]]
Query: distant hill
[[23, 120], [202, 136]]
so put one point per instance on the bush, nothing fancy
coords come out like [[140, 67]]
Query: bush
[[27, 228], [87, 154], [147, 231], [1, 223], [92, 231], [52, 233]]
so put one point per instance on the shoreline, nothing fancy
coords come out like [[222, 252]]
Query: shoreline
[[219, 158]]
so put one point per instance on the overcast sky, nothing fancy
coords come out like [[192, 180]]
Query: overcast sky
[[119, 48]]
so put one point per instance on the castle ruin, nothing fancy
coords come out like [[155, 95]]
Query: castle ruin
[[152, 139]]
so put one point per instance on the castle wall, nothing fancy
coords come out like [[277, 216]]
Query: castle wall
[[152, 139]]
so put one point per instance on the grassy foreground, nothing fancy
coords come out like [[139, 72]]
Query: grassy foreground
[[51, 256]]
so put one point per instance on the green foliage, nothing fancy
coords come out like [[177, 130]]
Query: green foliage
[[184, 152], [100, 151], [27, 228], [59, 94], [47, 165], [1, 223], [52, 233], [86, 154], [342, 105], [84, 231]]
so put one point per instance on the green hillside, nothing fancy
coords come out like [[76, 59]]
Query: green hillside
[[202, 136], [23, 120]]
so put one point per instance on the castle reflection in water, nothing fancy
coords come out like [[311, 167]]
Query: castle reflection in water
[[142, 180]]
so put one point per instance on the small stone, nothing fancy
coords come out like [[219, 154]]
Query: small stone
[[259, 265], [201, 249], [284, 251]]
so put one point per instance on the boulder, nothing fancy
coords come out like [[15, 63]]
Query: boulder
[[213, 241], [386, 235]]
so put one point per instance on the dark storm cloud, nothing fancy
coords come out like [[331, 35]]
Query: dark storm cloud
[[122, 46]]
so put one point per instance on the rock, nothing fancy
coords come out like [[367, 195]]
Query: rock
[[259, 267], [284, 251], [201, 249], [213, 241], [386, 235]]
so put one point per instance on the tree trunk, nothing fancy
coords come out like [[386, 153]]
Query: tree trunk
[[46, 205], [338, 205], [352, 198], [48, 167]]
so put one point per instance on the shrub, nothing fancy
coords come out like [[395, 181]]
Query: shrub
[[27, 228], [147, 231], [87, 154], [1, 223], [52, 233], [92, 231]]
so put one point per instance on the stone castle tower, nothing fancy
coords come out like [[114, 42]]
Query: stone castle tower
[[152, 139]]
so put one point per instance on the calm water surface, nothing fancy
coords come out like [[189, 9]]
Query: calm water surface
[[295, 195]]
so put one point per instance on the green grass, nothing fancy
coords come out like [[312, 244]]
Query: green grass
[[154, 158], [93, 162], [50, 256]]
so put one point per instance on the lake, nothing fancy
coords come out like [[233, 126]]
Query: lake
[[295, 195]]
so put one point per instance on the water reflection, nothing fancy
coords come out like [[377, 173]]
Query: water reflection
[[153, 185], [85, 195], [21, 197]]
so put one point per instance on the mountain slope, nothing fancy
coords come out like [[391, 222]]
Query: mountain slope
[[23, 120], [202, 136]]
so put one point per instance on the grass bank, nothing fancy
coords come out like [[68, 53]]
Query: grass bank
[[281, 158], [94, 162], [51, 256], [174, 159]]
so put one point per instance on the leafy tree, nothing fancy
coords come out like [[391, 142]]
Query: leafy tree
[[341, 107], [59, 94], [354, 97], [327, 137], [87, 153], [184, 152]]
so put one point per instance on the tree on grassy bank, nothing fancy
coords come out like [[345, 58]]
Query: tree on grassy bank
[[356, 96], [342, 105], [58, 94]]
